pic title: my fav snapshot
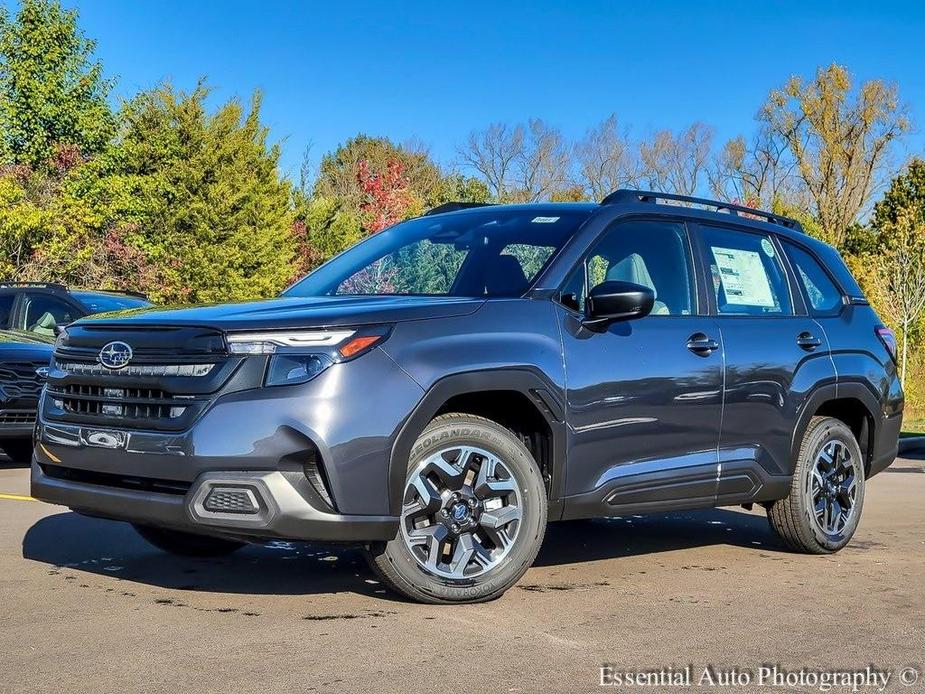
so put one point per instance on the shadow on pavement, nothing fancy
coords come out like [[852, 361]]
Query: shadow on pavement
[[113, 549], [628, 536]]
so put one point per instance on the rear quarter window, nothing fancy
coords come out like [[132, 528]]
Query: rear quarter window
[[823, 295]]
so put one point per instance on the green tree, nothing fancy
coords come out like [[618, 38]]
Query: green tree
[[906, 191], [52, 92], [199, 194]]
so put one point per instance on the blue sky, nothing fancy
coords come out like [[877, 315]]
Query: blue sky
[[434, 71]]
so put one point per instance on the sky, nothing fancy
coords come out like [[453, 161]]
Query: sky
[[434, 71]]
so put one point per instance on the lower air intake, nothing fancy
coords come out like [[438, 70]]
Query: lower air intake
[[231, 500]]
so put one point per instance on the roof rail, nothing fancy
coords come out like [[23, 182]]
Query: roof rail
[[624, 195], [7, 284], [453, 207]]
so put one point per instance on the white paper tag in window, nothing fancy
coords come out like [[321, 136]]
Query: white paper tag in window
[[745, 281]]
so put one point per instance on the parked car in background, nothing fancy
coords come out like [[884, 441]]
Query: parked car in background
[[439, 391], [24, 360], [37, 307]]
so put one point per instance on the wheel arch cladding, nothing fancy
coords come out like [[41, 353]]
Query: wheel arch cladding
[[851, 403], [521, 399]]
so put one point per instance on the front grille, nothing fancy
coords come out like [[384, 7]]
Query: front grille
[[117, 402], [17, 417], [173, 375], [105, 479], [19, 379]]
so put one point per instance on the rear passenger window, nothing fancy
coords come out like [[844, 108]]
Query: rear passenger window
[[747, 275], [821, 291]]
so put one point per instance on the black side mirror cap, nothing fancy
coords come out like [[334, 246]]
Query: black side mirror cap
[[613, 301]]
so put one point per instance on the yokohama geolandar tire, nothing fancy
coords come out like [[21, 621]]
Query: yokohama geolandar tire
[[822, 511], [187, 544], [473, 514]]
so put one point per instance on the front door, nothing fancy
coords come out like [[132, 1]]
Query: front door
[[645, 396]]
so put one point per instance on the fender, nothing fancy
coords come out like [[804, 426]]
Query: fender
[[526, 380], [852, 389]]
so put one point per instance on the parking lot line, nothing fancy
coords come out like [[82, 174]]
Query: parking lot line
[[16, 497]]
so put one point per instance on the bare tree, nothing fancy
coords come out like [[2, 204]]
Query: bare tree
[[543, 164], [493, 154], [841, 140], [605, 160], [900, 275], [520, 163], [760, 171], [674, 163]]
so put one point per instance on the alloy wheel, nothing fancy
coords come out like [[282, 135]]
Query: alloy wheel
[[461, 512], [833, 487]]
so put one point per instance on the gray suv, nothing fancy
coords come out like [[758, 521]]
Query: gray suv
[[439, 392]]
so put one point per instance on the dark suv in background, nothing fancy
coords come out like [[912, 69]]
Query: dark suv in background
[[24, 365], [440, 391], [29, 313], [37, 307]]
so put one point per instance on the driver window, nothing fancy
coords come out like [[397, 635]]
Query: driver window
[[44, 312], [651, 253]]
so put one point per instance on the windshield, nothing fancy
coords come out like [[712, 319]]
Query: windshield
[[103, 303], [490, 252]]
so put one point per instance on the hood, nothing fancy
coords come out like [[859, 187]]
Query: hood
[[296, 312], [20, 346]]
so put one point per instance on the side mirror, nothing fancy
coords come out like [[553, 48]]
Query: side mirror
[[609, 302]]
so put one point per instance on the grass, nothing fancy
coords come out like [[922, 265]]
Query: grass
[[913, 427]]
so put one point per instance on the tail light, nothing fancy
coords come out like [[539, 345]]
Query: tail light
[[888, 338]]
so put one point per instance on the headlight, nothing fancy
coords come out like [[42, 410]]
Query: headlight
[[289, 369], [270, 343], [297, 356], [61, 338]]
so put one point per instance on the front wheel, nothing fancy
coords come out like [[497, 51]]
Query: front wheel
[[473, 514], [823, 509], [187, 544]]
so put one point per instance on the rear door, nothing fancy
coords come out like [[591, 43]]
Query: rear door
[[775, 354]]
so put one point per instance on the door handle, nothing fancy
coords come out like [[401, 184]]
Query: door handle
[[808, 341], [700, 344]]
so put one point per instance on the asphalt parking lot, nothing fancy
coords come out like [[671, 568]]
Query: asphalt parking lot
[[88, 606]]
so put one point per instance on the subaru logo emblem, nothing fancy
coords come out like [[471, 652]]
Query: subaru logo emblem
[[115, 355], [42, 372]]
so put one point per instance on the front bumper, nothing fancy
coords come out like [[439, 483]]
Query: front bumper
[[282, 506]]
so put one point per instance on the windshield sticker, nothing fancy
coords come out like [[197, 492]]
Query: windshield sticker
[[767, 247], [744, 278], [545, 220]]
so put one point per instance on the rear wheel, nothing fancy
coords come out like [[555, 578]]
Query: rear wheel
[[19, 450], [187, 544], [823, 509], [473, 514]]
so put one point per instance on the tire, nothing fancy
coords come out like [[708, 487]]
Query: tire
[[807, 520], [187, 544], [18, 450], [499, 512]]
